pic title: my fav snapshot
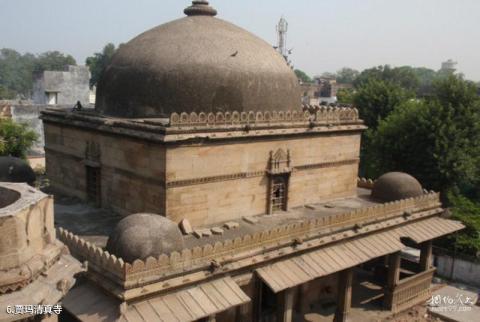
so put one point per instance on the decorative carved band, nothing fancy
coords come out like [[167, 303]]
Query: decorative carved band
[[243, 175], [234, 176], [326, 164], [317, 114]]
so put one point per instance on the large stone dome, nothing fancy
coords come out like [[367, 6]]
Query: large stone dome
[[396, 186], [196, 64], [142, 235]]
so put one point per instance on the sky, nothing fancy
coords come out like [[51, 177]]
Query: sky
[[325, 35]]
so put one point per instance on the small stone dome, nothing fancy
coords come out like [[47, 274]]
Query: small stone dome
[[395, 186], [198, 63], [16, 170], [139, 236]]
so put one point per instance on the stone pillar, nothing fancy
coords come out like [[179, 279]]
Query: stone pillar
[[392, 278], [211, 318], [425, 255], [285, 305], [302, 298], [257, 298], [344, 299], [244, 313]]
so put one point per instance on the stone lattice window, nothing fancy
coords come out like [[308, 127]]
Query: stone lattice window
[[94, 185], [279, 193]]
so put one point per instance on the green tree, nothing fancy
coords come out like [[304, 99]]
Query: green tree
[[52, 60], [346, 75], [467, 241], [375, 99], [99, 61], [16, 70], [15, 73], [436, 139], [6, 94], [345, 95], [301, 75], [426, 77], [404, 77], [15, 139]]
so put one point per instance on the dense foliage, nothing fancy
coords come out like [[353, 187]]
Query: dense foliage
[[466, 241], [346, 75], [17, 70], [345, 96], [15, 139], [99, 61], [436, 139], [301, 75], [375, 99]]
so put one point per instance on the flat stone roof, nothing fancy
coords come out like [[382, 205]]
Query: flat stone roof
[[95, 225]]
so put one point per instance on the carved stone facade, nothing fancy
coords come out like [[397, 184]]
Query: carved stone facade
[[264, 213], [35, 267], [185, 178]]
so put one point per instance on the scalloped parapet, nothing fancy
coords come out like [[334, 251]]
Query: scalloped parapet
[[96, 256], [311, 113], [365, 183], [142, 271], [204, 254]]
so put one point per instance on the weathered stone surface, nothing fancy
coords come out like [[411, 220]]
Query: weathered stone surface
[[217, 231], [140, 236], [250, 220], [395, 186], [192, 182], [231, 225], [162, 58], [186, 227]]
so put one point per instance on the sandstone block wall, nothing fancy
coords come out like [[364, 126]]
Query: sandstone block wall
[[206, 183], [26, 227], [211, 183], [132, 172]]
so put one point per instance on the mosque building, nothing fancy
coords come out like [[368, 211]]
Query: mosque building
[[239, 203]]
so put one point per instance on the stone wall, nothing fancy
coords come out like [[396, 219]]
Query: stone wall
[[458, 269], [207, 182], [71, 86], [132, 172], [210, 183], [26, 226]]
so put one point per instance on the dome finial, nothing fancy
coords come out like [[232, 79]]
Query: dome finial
[[200, 8]]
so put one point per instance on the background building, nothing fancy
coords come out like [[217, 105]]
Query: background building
[[62, 87]]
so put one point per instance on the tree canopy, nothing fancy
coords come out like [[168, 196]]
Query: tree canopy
[[375, 99], [15, 138], [401, 76], [99, 61], [436, 139], [16, 70], [346, 75], [52, 60], [301, 75]]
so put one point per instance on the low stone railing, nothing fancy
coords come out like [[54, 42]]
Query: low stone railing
[[411, 291], [97, 258], [365, 183], [318, 114], [198, 257]]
